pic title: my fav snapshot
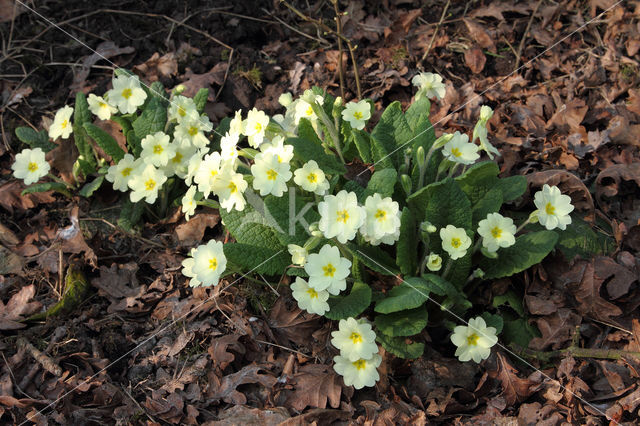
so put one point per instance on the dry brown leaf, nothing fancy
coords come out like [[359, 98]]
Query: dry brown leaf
[[10, 263], [10, 197], [119, 285], [158, 66], [314, 384], [480, 35], [514, 388], [582, 281], [628, 403], [105, 50], [242, 415], [618, 286], [190, 233], [248, 374], [474, 58], [17, 307], [292, 326], [221, 349], [568, 117], [194, 82], [556, 329]]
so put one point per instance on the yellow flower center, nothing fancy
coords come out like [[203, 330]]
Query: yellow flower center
[[496, 232], [103, 105], [214, 173], [258, 127], [309, 111], [177, 159], [126, 171], [232, 187], [455, 242], [213, 264], [329, 270], [312, 178], [456, 152], [126, 93], [158, 149], [357, 115], [32, 167], [550, 209], [355, 338], [312, 293], [380, 215], [272, 174], [64, 124], [150, 184], [342, 216], [472, 340], [193, 130], [360, 364], [181, 112]]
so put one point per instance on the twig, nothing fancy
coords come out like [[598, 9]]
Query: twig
[[435, 32], [44, 360], [137, 237], [575, 352], [328, 29], [339, 28], [524, 36]]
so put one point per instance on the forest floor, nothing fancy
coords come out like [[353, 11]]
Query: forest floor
[[144, 348]]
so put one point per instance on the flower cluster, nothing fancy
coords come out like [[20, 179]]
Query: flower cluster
[[358, 360]]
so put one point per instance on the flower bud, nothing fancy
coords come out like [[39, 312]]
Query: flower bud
[[442, 140], [404, 169], [179, 89], [428, 227], [298, 254], [285, 99], [434, 262], [405, 180], [420, 157], [478, 273], [312, 242], [489, 254], [533, 217], [337, 103], [485, 113]]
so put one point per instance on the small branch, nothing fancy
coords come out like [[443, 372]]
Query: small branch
[[44, 360], [524, 36], [546, 356], [435, 32], [339, 28]]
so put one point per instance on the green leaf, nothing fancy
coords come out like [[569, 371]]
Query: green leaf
[[528, 250], [579, 239], [375, 258], [130, 213], [391, 134], [518, 331], [200, 99], [124, 124], [105, 141], [407, 248], [410, 294], [35, 139], [297, 272], [156, 90], [483, 177], [351, 305], [383, 157], [363, 144], [306, 151], [399, 347], [47, 186], [152, 120], [135, 144], [91, 187], [293, 219], [490, 203], [494, 321], [252, 227], [438, 285], [512, 187], [446, 204], [418, 113], [509, 298], [260, 260], [382, 182], [82, 116], [403, 323]]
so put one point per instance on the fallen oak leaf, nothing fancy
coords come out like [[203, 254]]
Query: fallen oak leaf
[[514, 388], [227, 392], [556, 329], [314, 385]]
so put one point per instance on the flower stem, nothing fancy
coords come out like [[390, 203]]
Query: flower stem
[[525, 223]]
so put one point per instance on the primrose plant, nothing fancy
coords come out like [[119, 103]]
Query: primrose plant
[[369, 225]]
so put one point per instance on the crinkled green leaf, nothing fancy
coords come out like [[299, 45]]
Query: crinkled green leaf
[[91, 187], [152, 120], [509, 298], [403, 323], [489, 203], [528, 250], [47, 186], [391, 136], [407, 246], [252, 227], [200, 99], [375, 258], [105, 141], [446, 205], [35, 139], [579, 239], [382, 182], [350, 305], [130, 213], [409, 294], [399, 347], [253, 259], [82, 116], [293, 219], [494, 321], [363, 144], [307, 149]]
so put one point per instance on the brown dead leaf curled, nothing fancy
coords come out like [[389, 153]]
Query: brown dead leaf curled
[[190, 233], [480, 35], [249, 374], [105, 50], [556, 329], [11, 199], [158, 66], [475, 59], [17, 307], [315, 385], [514, 388]]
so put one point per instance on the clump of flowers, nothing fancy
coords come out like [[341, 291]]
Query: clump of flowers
[[424, 216]]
